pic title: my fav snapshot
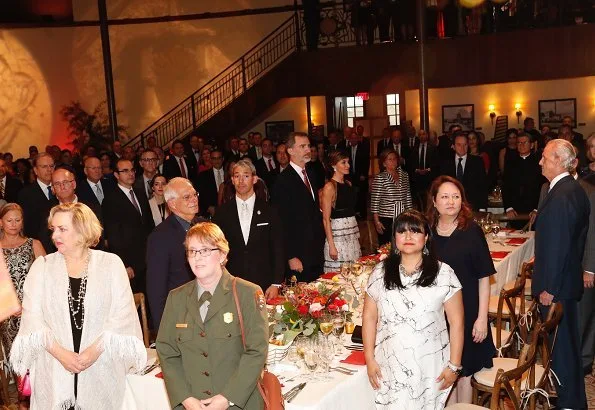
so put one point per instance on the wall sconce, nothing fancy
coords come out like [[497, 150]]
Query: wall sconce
[[492, 109], [519, 113]]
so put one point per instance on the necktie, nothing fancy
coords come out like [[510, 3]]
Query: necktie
[[50, 193], [353, 153], [134, 201], [182, 168], [271, 164], [423, 156], [205, 297], [306, 180], [99, 193], [149, 190], [460, 169], [2, 188]]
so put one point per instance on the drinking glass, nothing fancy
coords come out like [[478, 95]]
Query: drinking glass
[[345, 269], [311, 359], [326, 324], [349, 326], [338, 327]]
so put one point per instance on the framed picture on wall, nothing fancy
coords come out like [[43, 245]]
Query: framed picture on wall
[[551, 112], [278, 131], [462, 115]]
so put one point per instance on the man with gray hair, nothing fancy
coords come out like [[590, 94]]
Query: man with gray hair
[[166, 257], [560, 233]]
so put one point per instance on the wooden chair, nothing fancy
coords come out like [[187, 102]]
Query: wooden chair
[[4, 377], [527, 270], [139, 301], [507, 387], [483, 381]]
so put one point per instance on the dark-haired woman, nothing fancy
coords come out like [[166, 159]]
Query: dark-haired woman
[[338, 215], [461, 244], [157, 204], [411, 358]]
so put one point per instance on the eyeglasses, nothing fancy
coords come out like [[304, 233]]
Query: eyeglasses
[[126, 171], [206, 252], [62, 184], [190, 197]]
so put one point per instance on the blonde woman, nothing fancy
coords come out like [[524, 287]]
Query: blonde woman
[[80, 334]]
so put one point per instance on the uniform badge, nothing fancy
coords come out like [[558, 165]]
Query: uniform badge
[[260, 300], [228, 317]]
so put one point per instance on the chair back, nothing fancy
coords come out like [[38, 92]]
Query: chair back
[[139, 302], [510, 298], [547, 334]]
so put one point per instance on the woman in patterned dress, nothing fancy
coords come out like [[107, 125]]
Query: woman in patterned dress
[[19, 253], [338, 215]]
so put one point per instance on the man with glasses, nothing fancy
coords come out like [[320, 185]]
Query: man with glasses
[[127, 223], [208, 183], [166, 260], [148, 163], [522, 181], [35, 198]]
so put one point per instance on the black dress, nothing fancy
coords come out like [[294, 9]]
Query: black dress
[[467, 253], [75, 284]]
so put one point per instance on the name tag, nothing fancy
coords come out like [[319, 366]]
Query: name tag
[[262, 224], [181, 325]]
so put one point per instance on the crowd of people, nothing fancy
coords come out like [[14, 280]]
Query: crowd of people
[[96, 226]]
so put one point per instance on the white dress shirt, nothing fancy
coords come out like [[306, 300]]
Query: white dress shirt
[[463, 163], [299, 169], [245, 210], [43, 187], [219, 176], [556, 179], [269, 162]]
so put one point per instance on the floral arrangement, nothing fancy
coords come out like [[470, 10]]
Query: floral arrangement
[[304, 306]]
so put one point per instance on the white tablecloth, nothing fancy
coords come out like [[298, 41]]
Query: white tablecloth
[[508, 268], [146, 392]]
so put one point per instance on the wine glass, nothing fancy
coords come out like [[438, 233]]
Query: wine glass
[[326, 355], [311, 358], [345, 269], [357, 268], [338, 328], [326, 324]]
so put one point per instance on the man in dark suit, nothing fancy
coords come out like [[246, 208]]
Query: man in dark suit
[[35, 198], [243, 149], [93, 188], [296, 200], [255, 151], [468, 169], [9, 187], [177, 165], [267, 168], [384, 142], [194, 152], [208, 182], [334, 142], [359, 160], [560, 234], [234, 149], [522, 181], [395, 142], [446, 141], [148, 163], [167, 267], [127, 221], [423, 164], [253, 230]]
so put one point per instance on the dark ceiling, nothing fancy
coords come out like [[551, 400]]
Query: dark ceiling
[[32, 11]]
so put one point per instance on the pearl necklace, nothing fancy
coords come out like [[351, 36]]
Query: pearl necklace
[[77, 304], [448, 231]]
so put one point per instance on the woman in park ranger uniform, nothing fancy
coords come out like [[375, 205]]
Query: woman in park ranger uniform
[[200, 343]]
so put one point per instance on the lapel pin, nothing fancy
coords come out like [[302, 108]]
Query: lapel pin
[[257, 212], [228, 317]]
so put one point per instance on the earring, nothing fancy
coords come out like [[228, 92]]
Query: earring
[[334, 169], [397, 251], [425, 251]]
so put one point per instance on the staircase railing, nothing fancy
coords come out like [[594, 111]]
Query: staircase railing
[[223, 89]]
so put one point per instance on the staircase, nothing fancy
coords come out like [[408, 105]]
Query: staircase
[[229, 85]]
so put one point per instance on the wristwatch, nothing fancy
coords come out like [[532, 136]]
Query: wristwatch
[[455, 369]]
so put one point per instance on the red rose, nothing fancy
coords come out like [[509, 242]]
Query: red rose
[[339, 302], [303, 309], [332, 307], [317, 314]]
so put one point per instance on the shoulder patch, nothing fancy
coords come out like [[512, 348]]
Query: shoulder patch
[[260, 300]]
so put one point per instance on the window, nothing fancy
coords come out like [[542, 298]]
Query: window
[[392, 109], [355, 109]]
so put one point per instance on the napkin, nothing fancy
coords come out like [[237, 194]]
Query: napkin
[[329, 275], [499, 254], [356, 357], [516, 241], [160, 375], [276, 301]]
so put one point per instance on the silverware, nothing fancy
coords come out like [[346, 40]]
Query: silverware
[[357, 349], [300, 388], [150, 368], [340, 370], [347, 369], [293, 391]]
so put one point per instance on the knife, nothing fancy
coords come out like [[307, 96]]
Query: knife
[[292, 391], [299, 389]]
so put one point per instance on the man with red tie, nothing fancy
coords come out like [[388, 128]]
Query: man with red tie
[[176, 165]]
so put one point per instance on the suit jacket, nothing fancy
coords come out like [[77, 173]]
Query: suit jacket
[[252, 154], [171, 168], [140, 186], [206, 186], [263, 172], [262, 260], [125, 229], [474, 179], [319, 172], [340, 146], [11, 189], [191, 160], [588, 184], [36, 207], [560, 234], [167, 267], [420, 183], [206, 358], [522, 181], [362, 162], [86, 194], [301, 219]]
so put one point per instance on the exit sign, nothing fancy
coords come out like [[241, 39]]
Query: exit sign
[[363, 96]]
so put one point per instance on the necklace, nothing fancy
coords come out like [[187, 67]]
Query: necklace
[[416, 270], [447, 231], [77, 304]]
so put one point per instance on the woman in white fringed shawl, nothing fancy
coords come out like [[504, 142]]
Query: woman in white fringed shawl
[[80, 333]]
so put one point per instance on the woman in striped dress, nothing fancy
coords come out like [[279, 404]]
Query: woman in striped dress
[[338, 215], [391, 195]]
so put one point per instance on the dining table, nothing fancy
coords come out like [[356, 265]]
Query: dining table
[[509, 249]]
